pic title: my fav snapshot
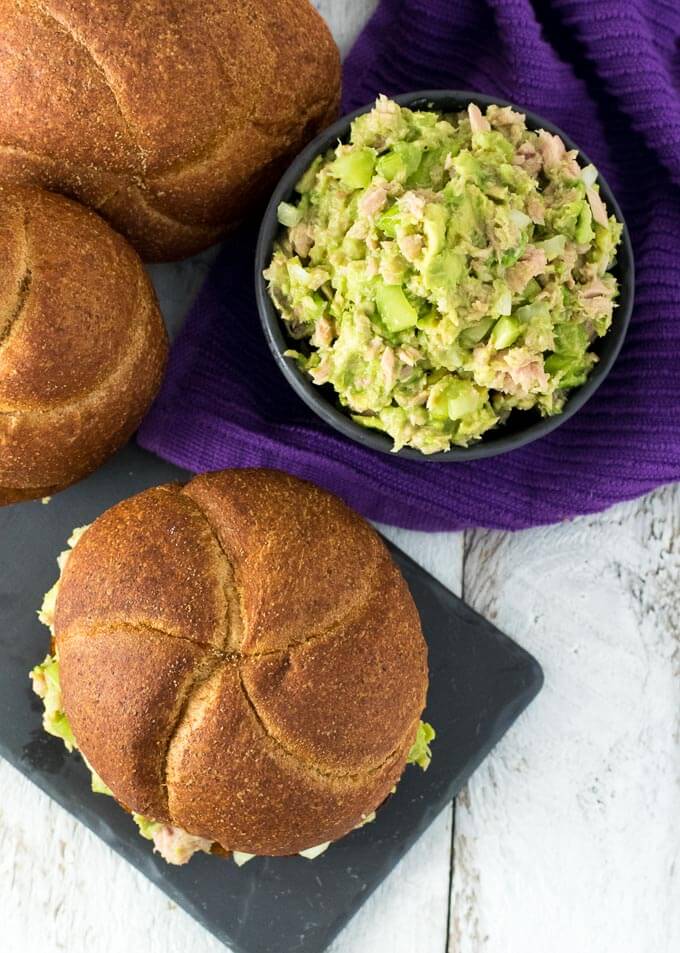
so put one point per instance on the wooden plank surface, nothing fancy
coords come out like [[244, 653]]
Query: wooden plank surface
[[567, 838]]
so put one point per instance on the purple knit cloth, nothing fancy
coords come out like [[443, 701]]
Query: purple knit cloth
[[608, 73]]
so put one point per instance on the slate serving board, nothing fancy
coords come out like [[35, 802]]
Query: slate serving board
[[480, 681]]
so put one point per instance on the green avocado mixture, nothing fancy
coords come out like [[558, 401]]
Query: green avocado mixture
[[420, 752], [45, 679], [174, 844], [441, 271]]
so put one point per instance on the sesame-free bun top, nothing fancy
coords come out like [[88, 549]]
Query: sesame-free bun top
[[241, 658], [82, 342], [169, 118]]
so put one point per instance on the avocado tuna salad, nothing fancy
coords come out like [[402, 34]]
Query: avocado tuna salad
[[174, 844], [442, 270]]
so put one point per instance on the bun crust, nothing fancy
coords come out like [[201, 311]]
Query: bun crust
[[241, 658], [82, 343], [169, 118]]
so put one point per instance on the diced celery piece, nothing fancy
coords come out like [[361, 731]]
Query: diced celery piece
[[475, 333], [528, 312], [589, 175], [503, 303], [390, 166], [288, 214], [355, 169], [401, 161], [388, 220], [394, 307], [451, 399], [505, 332], [553, 246], [465, 398], [519, 218]]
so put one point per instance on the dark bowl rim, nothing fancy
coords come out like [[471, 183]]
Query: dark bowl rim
[[438, 99]]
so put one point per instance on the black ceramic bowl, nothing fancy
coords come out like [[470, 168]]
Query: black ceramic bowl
[[522, 427]]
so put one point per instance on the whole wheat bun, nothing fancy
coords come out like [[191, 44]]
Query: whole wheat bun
[[171, 119], [241, 658], [82, 343]]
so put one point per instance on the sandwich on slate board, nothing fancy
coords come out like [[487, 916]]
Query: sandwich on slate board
[[240, 663]]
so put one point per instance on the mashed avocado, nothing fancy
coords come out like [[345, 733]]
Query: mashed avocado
[[420, 752], [441, 271], [45, 679]]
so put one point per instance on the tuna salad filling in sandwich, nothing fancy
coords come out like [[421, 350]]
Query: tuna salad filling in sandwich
[[327, 774]]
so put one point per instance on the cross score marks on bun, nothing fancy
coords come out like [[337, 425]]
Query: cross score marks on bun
[[240, 663]]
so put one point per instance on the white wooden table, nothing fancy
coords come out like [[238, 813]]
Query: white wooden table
[[567, 840]]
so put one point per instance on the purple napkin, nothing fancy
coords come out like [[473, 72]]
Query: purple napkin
[[608, 73]]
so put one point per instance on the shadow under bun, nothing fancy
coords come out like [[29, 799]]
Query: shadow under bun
[[82, 343], [169, 119], [241, 658]]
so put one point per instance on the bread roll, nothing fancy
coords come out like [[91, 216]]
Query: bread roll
[[82, 343], [241, 658], [170, 119]]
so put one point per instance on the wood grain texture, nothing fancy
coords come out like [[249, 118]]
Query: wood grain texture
[[567, 838]]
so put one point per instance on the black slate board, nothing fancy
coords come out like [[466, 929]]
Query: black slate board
[[479, 683]]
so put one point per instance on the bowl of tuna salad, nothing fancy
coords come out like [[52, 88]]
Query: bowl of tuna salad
[[444, 276]]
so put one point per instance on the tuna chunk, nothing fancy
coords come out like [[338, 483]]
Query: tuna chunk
[[504, 116], [596, 206], [324, 333], [413, 203], [535, 209], [532, 263], [477, 122], [595, 288], [372, 201], [411, 246], [551, 148], [177, 846], [388, 364], [528, 158], [301, 239], [520, 373]]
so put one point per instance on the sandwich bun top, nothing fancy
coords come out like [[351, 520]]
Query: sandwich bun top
[[82, 342], [241, 658], [170, 119]]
